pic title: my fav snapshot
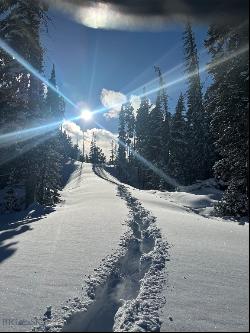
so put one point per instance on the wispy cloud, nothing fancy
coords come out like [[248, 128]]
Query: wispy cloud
[[113, 100]]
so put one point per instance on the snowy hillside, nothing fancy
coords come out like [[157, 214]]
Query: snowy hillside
[[113, 257]]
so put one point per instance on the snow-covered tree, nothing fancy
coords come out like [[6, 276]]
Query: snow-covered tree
[[162, 106], [122, 138], [142, 125], [96, 155], [129, 128], [230, 99], [20, 28], [112, 153], [178, 144], [197, 126]]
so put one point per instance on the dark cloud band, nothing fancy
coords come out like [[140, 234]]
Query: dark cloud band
[[200, 10]]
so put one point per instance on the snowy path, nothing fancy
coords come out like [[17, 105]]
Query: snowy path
[[43, 261], [208, 272], [122, 239], [124, 293]]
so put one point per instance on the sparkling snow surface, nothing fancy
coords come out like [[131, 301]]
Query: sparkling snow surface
[[122, 238]]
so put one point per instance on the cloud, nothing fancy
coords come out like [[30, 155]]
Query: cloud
[[72, 129], [103, 139], [151, 14], [112, 100]]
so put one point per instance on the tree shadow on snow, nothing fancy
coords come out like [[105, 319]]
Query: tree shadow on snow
[[14, 224], [7, 250]]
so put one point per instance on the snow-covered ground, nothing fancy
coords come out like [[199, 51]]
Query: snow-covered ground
[[137, 248], [43, 260], [208, 274], [199, 198]]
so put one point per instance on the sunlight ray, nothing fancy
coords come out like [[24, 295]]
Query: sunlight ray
[[170, 180], [33, 71], [201, 70], [13, 154], [185, 77]]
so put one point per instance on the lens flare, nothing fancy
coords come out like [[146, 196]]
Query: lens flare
[[33, 71], [170, 180], [25, 134], [86, 115]]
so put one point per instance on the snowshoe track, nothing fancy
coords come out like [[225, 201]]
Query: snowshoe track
[[124, 294]]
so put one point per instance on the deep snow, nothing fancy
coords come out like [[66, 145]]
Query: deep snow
[[122, 238], [45, 259]]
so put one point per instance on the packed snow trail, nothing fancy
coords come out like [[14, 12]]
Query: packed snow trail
[[44, 259], [208, 274], [124, 295]]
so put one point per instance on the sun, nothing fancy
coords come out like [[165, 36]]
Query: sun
[[86, 115]]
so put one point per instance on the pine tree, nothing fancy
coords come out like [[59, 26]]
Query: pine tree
[[96, 155], [129, 128], [155, 141], [14, 85], [122, 138], [54, 104], [162, 106], [230, 100], [49, 177], [178, 143], [50, 152], [197, 126], [112, 153], [142, 126], [92, 151], [20, 28], [142, 129]]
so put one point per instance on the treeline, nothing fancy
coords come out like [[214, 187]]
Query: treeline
[[207, 134], [30, 161]]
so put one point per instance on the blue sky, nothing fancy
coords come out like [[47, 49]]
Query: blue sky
[[89, 60]]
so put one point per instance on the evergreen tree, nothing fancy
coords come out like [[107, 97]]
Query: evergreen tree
[[162, 106], [51, 156], [129, 128], [20, 28], [96, 155], [112, 153], [92, 150], [142, 126], [197, 126], [122, 138], [38, 161], [178, 144], [155, 141], [49, 177], [54, 106], [230, 100]]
